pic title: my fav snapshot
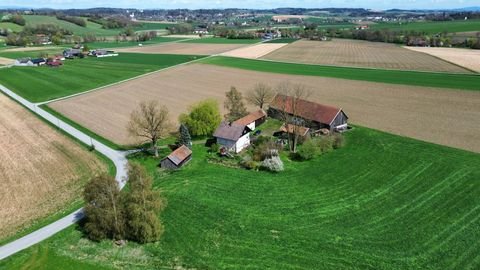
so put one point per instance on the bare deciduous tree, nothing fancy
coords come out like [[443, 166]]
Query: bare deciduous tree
[[260, 95], [234, 104], [150, 122], [291, 110]]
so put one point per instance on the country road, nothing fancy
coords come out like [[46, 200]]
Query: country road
[[117, 157]]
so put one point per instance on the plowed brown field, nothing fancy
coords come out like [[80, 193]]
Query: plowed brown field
[[357, 53], [462, 57], [183, 48], [41, 171], [443, 117]]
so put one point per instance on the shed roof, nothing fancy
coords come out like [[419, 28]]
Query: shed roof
[[230, 131], [302, 131], [250, 118], [306, 109], [179, 155]]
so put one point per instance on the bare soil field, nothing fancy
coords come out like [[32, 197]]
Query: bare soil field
[[41, 170], [443, 117], [463, 57], [183, 48], [255, 51], [287, 17], [358, 53], [6, 61], [30, 49]]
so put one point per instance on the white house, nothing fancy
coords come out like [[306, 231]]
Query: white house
[[232, 136]]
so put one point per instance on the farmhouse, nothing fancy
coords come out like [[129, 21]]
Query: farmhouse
[[253, 120], [102, 53], [233, 137], [177, 158], [23, 62], [311, 114], [72, 53]]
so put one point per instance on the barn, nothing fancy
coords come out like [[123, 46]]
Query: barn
[[252, 120], [313, 115], [232, 136], [177, 158]]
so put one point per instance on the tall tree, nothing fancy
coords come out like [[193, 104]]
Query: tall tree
[[142, 207], [203, 118], [260, 95], [150, 122], [184, 137], [234, 104], [291, 95], [103, 210]]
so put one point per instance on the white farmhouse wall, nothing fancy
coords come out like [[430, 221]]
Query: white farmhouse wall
[[251, 126], [242, 143]]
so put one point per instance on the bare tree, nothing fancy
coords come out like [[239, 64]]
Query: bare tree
[[234, 104], [291, 110], [150, 122], [260, 95]]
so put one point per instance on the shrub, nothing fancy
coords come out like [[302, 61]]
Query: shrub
[[273, 164], [214, 148], [325, 144], [249, 164], [338, 141], [267, 149], [309, 150]]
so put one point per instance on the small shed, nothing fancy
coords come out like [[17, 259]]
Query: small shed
[[177, 158], [252, 120]]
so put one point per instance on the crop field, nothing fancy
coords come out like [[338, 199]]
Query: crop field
[[428, 79], [121, 44], [432, 27], [222, 41], [255, 51], [184, 48], [357, 53], [388, 209], [463, 57], [41, 171], [423, 113], [6, 61], [43, 83]]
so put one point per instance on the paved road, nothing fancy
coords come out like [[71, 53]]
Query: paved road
[[117, 157]]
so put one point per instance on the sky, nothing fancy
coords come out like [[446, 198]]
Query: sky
[[257, 4]]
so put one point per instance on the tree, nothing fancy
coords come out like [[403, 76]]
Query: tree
[[292, 94], [203, 118], [103, 209], [260, 95], [142, 206], [150, 121], [184, 136], [234, 104]]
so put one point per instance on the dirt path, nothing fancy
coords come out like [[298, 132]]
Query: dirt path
[[463, 57], [357, 53], [6, 61], [438, 116]]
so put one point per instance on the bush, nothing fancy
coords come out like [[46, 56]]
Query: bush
[[273, 164], [249, 164], [309, 150], [325, 144], [338, 141], [75, 20], [265, 150], [214, 148]]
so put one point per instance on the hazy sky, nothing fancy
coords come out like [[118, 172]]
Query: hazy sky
[[195, 4]]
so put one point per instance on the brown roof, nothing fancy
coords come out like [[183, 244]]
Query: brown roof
[[252, 117], [302, 131], [179, 155], [229, 131], [306, 109]]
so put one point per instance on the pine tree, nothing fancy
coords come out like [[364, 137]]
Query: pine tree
[[142, 207], [184, 137]]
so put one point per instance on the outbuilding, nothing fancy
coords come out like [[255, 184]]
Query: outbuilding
[[233, 137], [252, 120], [177, 158]]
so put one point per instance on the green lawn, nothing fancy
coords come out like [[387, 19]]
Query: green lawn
[[381, 202], [92, 28], [440, 80], [222, 41], [11, 26], [432, 27], [121, 44], [43, 83], [147, 26]]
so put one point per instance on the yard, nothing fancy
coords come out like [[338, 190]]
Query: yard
[[75, 76], [423, 113], [42, 172], [358, 53], [370, 205]]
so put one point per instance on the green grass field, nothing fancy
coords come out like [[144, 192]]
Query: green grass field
[[43, 83], [222, 41], [11, 26], [432, 27], [381, 202], [283, 40], [440, 80], [122, 44], [149, 26]]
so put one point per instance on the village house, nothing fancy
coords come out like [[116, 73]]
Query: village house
[[72, 53], [233, 137], [177, 158], [23, 62], [252, 120], [313, 115]]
